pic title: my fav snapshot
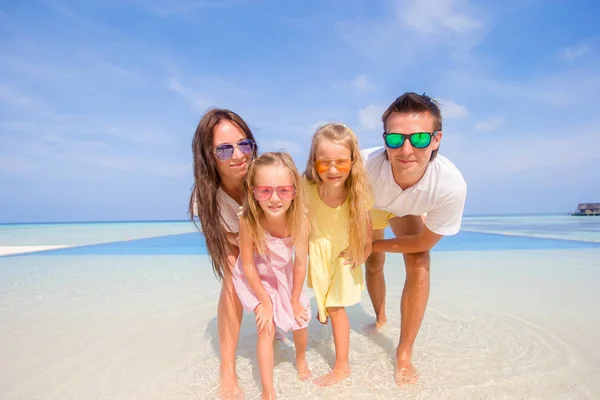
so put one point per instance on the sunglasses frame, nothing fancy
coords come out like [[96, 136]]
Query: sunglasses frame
[[272, 190], [409, 137], [335, 163], [234, 146]]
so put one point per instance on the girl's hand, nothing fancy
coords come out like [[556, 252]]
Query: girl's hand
[[300, 313], [264, 317]]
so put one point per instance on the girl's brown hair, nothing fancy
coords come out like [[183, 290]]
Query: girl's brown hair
[[360, 198], [253, 214], [203, 200]]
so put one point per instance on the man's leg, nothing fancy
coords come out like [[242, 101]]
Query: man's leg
[[414, 299], [376, 283]]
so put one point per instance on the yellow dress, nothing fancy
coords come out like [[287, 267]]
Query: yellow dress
[[334, 284]]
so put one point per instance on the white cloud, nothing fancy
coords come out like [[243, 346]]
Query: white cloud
[[452, 110], [290, 146], [313, 128], [370, 117], [362, 83], [16, 98], [196, 101], [439, 16], [569, 54], [489, 125]]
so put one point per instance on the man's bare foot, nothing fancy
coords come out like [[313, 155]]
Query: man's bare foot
[[303, 370], [333, 377], [319, 319], [375, 327], [405, 373]]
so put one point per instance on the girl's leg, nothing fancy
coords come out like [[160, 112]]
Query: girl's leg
[[341, 339], [266, 361], [301, 340], [229, 319]]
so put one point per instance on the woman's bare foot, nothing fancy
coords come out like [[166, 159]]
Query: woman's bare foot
[[228, 386], [333, 377], [375, 327], [405, 373], [268, 394], [230, 391], [319, 319], [303, 370]]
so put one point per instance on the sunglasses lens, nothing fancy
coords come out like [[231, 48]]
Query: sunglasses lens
[[343, 165], [224, 151], [394, 140], [246, 146], [321, 167], [420, 140], [286, 192], [262, 193]]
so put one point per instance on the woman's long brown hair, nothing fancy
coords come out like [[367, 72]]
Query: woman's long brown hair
[[203, 200]]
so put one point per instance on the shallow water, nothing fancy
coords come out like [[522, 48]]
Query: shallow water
[[499, 324], [508, 317]]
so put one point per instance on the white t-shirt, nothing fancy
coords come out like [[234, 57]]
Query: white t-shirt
[[229, 211], [440, 193]]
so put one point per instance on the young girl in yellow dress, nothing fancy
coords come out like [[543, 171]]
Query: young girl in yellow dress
[[339, 199]]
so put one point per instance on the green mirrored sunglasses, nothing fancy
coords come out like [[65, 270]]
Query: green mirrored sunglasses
[[418, 140]]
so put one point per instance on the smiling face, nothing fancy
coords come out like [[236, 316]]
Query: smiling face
[[327, 153], [409, 163], [275, 207], [234, 169]]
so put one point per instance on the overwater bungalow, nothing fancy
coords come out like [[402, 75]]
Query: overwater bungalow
[[587, 209]]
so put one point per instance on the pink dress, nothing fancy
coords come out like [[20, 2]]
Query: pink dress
[[277, 276]]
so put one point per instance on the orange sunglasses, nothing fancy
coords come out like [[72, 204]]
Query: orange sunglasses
[[342, 165]]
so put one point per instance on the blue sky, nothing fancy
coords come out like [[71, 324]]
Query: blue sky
[[99, 99]]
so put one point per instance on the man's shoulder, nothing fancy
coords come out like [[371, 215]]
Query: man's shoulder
[[447, 174], [373, 155]]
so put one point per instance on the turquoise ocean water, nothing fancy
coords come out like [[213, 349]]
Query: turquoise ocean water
[[181, 237]]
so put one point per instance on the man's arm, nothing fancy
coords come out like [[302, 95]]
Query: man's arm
[[419, 243], [444, 218]]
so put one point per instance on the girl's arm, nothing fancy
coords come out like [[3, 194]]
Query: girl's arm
[[264, 311], [300, 263]]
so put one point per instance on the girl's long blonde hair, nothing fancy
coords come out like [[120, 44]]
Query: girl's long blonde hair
[[253, 214], [360, 198]]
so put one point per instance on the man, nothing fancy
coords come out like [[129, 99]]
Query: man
[[409, 179]]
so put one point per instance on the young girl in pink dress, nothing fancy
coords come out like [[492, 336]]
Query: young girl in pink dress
[[273, 254]]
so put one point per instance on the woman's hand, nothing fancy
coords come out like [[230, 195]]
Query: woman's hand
[[264, 317]]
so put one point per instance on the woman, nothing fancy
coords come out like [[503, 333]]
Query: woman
[[223, 147]]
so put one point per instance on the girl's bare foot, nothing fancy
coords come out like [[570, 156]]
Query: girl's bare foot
[[303, 370], [333, 377]]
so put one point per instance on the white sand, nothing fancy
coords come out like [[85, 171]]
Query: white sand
[[499, 325], [8, 250]]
